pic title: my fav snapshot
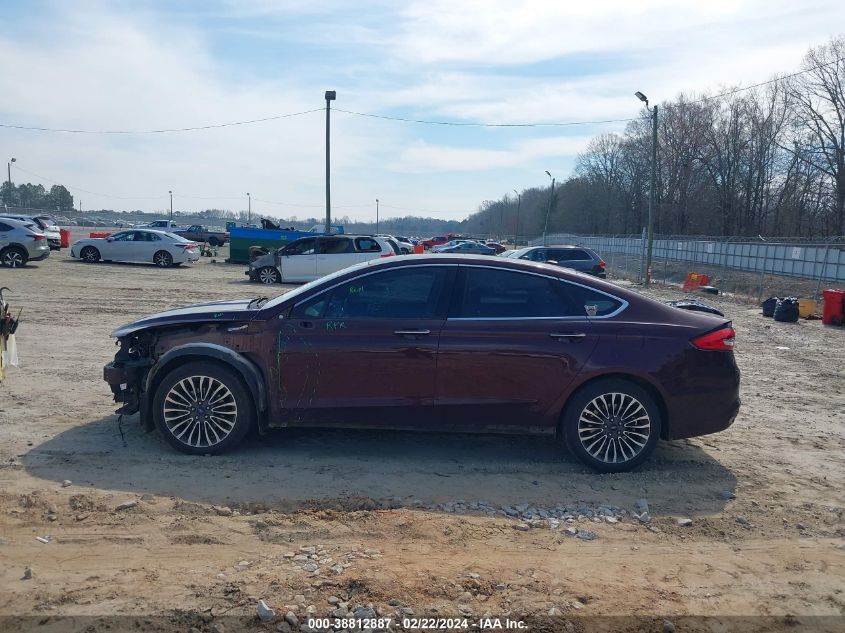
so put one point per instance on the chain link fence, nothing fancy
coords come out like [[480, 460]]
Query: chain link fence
[[736, 265]]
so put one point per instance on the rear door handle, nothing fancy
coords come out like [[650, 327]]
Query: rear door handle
[[567, 335], [412, 332]]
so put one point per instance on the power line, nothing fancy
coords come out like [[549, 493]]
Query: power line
[[770, 81], [161, 131], [93, 193], [479, 124]]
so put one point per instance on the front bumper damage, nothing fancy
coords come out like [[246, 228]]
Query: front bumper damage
[[125, 379]]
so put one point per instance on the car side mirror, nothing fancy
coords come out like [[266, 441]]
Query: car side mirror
[[111, 239]]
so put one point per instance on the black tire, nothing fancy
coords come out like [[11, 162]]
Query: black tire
[[89, 254], [13, 257], [235, 408], [587, 431], [163, 259], [268, 275], [213, 241]]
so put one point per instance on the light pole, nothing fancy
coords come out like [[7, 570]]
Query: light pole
[[171, 205], [516, 229], [9, 168], [376, 216], [549, 210], [652, 188], [249, 208], [331, 95]]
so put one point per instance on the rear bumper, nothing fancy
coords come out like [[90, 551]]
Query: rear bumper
[[706, 400], [38, 255]]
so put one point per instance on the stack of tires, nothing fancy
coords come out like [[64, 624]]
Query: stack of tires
[[786, 310]]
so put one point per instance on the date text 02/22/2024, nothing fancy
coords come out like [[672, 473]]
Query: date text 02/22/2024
[[407, 623]]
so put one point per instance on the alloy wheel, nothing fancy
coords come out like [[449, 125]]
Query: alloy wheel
[[268, 275], [163, 259], [614, 428], [13, 258], [200, 411]]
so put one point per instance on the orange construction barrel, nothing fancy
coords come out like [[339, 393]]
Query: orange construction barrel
[[834, 307], [64, 238], [419, 249]]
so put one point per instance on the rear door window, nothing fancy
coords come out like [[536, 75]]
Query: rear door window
[[367, 245], [335, 246]]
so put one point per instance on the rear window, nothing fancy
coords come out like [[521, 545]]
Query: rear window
[[394, 246], [367, 245]]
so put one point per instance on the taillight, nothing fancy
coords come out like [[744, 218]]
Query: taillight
[[391, 254], [721, 340], [602, 264], [38, 238], [188, 247]]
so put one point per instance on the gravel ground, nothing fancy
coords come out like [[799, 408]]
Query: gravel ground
[[747, 522]]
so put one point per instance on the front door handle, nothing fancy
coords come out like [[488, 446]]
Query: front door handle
[[412, 332], [567, 335]]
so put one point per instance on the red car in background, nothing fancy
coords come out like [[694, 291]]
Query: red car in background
[[437, 241]]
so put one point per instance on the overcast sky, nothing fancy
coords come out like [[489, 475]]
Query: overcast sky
[[102, 65]]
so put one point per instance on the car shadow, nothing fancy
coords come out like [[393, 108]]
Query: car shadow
[[343, 469]]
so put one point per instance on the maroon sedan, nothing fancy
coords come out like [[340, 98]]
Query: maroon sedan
[[441, 342]]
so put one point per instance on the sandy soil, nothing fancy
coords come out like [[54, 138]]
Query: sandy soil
[[406, 523]]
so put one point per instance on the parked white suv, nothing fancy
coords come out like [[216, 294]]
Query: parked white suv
[[310, 258], [45, 225], [21, 242]]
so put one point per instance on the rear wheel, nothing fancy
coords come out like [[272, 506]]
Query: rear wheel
[[203, 408], [163, 259], [612, 425], [13, 257], [268, 275], [90, 254], [213, 241]]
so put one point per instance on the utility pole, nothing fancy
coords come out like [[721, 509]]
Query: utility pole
[[518, 205], [331, 95], [549, 210], [651, 197], [171, 205], [376, 216], [9, 168], [652, 188], [249, 208]]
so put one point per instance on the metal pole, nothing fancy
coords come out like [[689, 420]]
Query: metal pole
[[249, 208], [331, 95], [171, 205], [643, 257], [376, 216], [651, 196], [548, 211], [516, 228], [824, 268]]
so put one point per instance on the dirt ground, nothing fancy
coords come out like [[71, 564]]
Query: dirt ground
[[315, 522]]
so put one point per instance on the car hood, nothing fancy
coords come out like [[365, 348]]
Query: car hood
[[217, 311]]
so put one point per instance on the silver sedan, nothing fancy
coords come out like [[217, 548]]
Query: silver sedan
[[144, 246]]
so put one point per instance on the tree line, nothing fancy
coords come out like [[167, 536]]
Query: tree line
[[765, 161], [29, 196]]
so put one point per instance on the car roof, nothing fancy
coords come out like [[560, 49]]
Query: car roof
[[19, 223]]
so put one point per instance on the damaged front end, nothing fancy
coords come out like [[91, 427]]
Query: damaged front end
[[126, 373]]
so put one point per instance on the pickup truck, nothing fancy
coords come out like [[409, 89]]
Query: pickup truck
[[199, 233]]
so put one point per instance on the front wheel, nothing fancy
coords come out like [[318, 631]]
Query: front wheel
[[268, 275], [203, 407], [612, 425], [163, 259], [89, 254]]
